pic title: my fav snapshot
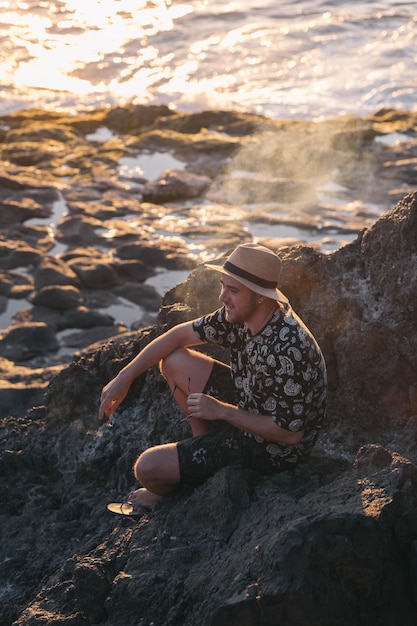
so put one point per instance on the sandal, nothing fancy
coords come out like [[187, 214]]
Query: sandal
[[131, 510]]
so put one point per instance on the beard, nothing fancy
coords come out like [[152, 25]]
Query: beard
[[242, 313]]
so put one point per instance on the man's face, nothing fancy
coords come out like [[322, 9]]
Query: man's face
[[240, 302]]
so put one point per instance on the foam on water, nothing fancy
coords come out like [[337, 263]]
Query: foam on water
[[308, 59]]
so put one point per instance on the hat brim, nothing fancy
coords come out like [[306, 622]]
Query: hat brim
[[274, 294]]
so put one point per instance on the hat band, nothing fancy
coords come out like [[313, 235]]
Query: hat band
[[268, 284]]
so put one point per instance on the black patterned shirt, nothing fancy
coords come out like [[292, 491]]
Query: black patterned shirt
[[279, 371]]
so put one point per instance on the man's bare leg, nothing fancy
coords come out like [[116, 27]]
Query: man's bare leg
[[187, 371], [157, 469]]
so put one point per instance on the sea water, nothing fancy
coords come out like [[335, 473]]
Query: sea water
[[305, 58]]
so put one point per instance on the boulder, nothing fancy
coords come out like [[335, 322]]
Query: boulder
[[143, 295], [15, 284], [14, 255], [169, 254], [52, 271], [135, 117], [95, 274], [175, 185], [24, 341], [60, 297], [22, 387], [78, 229]]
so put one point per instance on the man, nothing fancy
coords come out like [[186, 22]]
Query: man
[[262, 412]]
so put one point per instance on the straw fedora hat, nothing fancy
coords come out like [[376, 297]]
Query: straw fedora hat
[[255, 266]]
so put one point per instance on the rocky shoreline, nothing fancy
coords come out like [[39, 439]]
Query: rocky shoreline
[[81, 236], [333, 543]]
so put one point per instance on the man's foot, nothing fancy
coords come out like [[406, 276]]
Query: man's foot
[[143, 497]]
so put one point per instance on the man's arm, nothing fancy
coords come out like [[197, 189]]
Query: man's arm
[[116, 390], [261, 426], [206, 407]]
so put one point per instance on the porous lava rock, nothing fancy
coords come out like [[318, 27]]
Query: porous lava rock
[[333, 542]]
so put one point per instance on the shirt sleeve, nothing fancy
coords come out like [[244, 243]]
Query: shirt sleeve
[[214, 328]]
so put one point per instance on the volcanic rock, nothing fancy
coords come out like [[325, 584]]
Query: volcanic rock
[[61, 297], [52, 271], [22, 342], [14, 255], [331, 542], [174, 185]]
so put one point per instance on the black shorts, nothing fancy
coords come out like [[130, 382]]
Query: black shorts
[[202, 456]]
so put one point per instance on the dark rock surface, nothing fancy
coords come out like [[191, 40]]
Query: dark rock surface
[[335, 542]]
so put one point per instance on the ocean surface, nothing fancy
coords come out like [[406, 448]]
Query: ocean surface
[[305, 58]]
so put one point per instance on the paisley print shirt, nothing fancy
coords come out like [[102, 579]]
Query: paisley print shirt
[[279, 372]]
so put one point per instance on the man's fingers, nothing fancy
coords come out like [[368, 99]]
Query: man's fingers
[[107, 408]]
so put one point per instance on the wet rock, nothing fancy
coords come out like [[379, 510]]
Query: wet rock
[[14, 255], [3, 303], [23, 387], [42, 132], [174, 185], [60, 297], [133, 270], [25, 183], [143, 295], [52, 271], [231, 123], [80, 194], [84, 317], [29, 153], [95, 275], [210, 149], [15, 284], [95, 335], [107, 272], [105, 201], [22, 342], [58, 320], [170, 254], [37, 237], [15, 210], [78, 230], [133, 118]]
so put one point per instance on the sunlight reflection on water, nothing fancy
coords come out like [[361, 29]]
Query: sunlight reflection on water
[[149, 166], [310, 60]]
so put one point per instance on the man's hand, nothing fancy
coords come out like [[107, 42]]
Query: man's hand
[[112, 396], [204, 407]]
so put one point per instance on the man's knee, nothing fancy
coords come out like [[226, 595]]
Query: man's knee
[[170, 363], [145, 466], [158, 465]]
